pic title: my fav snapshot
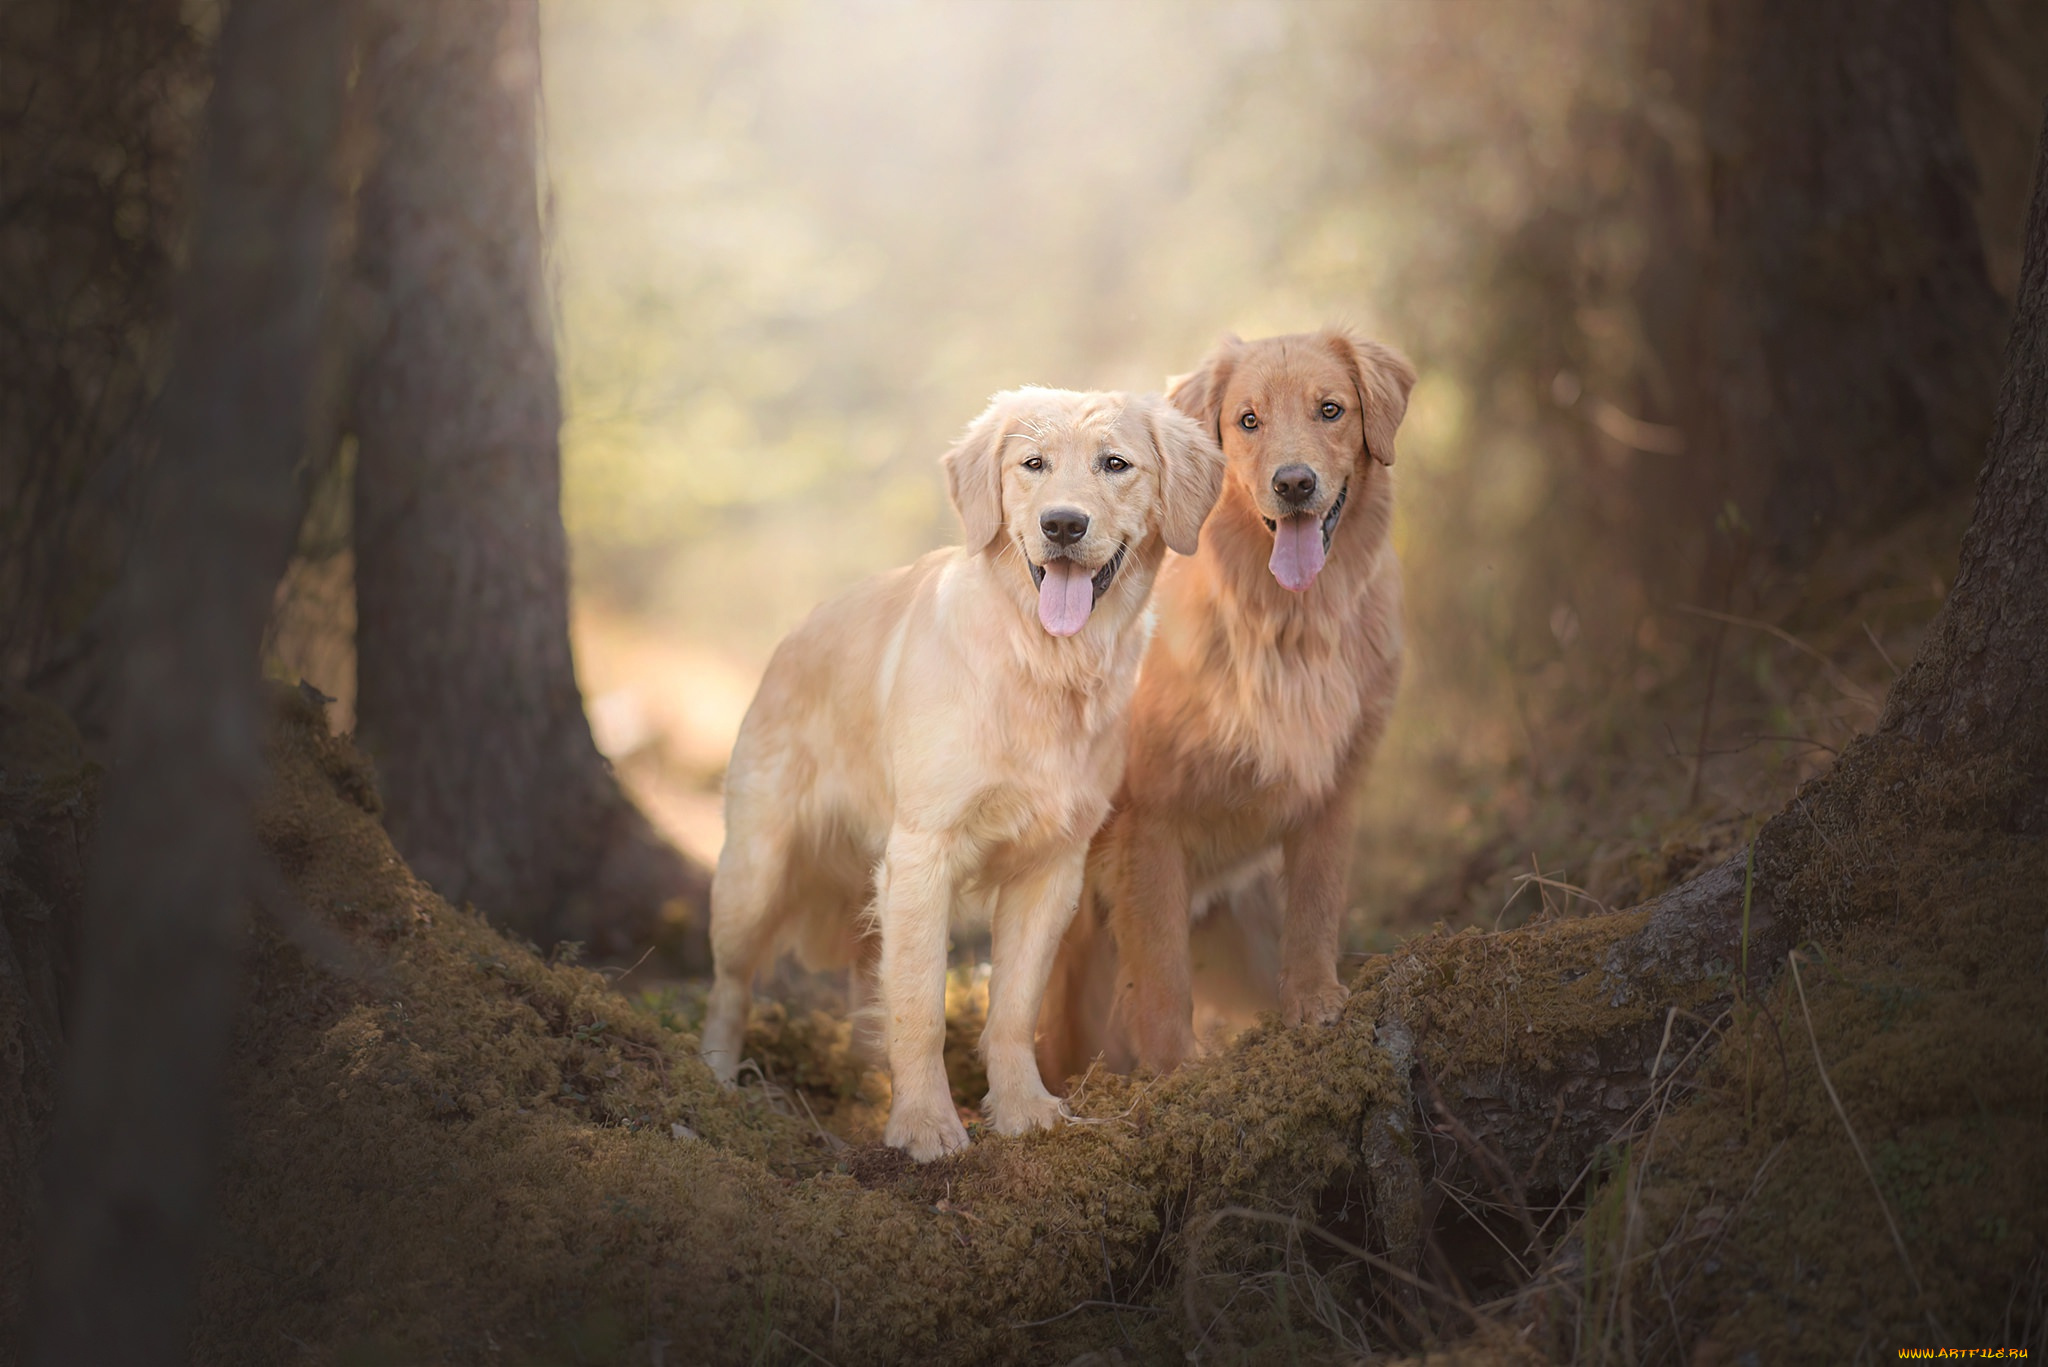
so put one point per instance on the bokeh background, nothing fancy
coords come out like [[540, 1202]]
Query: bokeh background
[[795, 246]]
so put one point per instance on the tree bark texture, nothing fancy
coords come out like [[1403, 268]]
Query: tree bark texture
[[135, 1135], [1980, 682], [467, 695], [98, 103], [1825, 328], [46, 821], [1962, 742]]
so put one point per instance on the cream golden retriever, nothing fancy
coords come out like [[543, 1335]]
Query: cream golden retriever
[[948, 736], [1263, 694]]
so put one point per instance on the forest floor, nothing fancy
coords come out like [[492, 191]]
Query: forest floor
[[1566, 785], [448, 1147]]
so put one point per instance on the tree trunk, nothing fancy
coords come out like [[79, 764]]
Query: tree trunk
[[98, 108], [1825, 328], [1980, 683], [1963, 738], [467, 695], [135, 1138], [46, 822]]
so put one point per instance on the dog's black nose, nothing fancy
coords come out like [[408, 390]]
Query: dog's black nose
[[1294, 483], [1065, 526]]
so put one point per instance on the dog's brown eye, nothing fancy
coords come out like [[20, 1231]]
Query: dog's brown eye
[[1332, 412], [1249, 422], [1115, 464], [1034, 462]]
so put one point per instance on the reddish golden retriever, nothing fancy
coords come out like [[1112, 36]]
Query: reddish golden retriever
[[1263, 694]]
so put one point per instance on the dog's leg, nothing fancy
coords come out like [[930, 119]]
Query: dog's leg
[[1318, 855], [915, 898], [743, 929], [1030, 917], [725, 1022], [1155, 995], [863, 999], [1074, 1027], [1066, 1039]]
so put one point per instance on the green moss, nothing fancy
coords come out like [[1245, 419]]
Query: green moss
[[448, 1149], [1765, 1231], [455, 1144]]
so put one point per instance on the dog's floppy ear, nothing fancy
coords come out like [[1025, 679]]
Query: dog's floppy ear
[[1382, 377], [1199, 393], [1190, 473], [974, 475]]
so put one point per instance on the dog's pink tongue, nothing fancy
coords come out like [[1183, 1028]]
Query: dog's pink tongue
[[1065, 598], [1297, 551]]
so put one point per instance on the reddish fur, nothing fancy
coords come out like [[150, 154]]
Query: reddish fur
[[1256, 713]]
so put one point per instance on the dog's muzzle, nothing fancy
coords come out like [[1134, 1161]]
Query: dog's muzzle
[[1329, 518], [1101, 579]]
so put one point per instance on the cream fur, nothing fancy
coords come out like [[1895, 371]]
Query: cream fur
[[923, 745]]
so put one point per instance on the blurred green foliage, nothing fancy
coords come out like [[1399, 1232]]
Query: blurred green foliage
[[799, 244]]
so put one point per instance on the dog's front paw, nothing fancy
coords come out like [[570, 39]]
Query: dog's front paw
[[1164, 1037], [1021, 1114], [1317, 1004], [925, 1132], [720, 1051]]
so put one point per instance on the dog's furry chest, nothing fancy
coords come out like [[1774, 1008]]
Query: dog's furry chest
[[1274, 710], [1286, 720], [1042, 801], [1015, 831]]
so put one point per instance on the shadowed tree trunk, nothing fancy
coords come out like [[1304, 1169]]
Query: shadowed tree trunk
[[1980, 683], [1826, 330], [98, 105], [2001, 51], [467, 695], [135, 1137], [1968, 721]]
